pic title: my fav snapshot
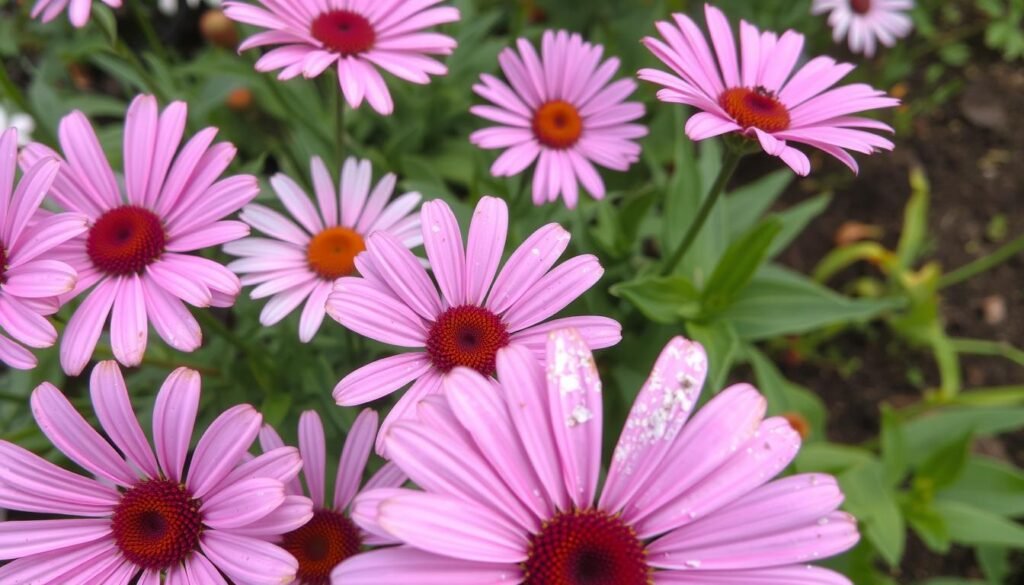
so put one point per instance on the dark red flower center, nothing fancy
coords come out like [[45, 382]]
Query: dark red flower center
[[125, 240], [755, 108], [860, 6], [3, 264], [586, 547], [468, 336], [557, 124], [157, 524], [344, 32], [322, 544], [332, 253]]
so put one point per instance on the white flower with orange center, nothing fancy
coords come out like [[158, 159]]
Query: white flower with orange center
[[300, 261]]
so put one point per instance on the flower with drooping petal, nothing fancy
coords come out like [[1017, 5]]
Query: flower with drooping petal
[[330, 537], [561, 110], [396, 302], [136, 256], [509, 476], [30, 283], [355, 36], [301, 262], [78, 13], [23, 123], [758, 95], [144, 513], [865, 23]]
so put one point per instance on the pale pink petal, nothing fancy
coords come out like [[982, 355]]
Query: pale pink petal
[[248, 560], [221, 447], [174, 416], [487, 234], [380, 378], [443, 242], [109, 396], [354, 456]]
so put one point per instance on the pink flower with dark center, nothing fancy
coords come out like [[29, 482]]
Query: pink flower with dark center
[[30, 284], [301, 262], [396, 302], [331, 537], [78, 13], [561, 110], [865, 23], [757, 93], [144, 515], [509, 474], [136, 255], [355, 36]]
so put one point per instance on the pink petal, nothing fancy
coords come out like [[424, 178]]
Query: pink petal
[[174, 417], [221, 447], [312, 446], [487, 234], [354, 456], [380, 378], [448, 526], [248, 560], [443, 242], [242, 503], [114, 410]]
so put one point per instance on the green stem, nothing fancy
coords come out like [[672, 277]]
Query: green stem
[[986, 347], [128, 56], [339, 129], [732, 160], [967, 271], [147, 30], [214, 324]]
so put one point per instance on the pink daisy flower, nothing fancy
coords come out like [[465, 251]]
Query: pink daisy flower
[[356, 36], [301, 262], [562, 112], [867, 22], [135, 254], [395, 302], [29, 283], [509, 473], [759, 95], [78, 13], [331, 537], [144, 513]]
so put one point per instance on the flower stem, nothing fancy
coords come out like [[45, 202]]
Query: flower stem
[[967, 271], [148, 31], [339, 129], [729, 164]]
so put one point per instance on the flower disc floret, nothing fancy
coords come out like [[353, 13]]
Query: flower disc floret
[[467, 336], [332, 253], [586, 547], [157, 524], [125, 240], [344, 32]]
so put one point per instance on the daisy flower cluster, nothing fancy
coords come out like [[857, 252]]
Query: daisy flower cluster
[[489, 466]]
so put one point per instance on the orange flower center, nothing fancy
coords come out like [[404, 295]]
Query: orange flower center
[[344, 32], [586, 547], [557, 124], [467, 336], [860, 6], [322, 544], [755, 108], [126, 240], [332, 253], [157, 524]]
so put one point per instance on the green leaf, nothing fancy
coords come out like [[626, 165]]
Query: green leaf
[[831, 458], [781, 302], [785, 396], [990, 485], [737, 266], [929, 526], [663, 299], [894, 457], [104, 17], [995, 562], [928, 433], [945, 465], [722, 345], [874, 504], [915, 220], [795, 219], [746, 204], [971, 525]]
